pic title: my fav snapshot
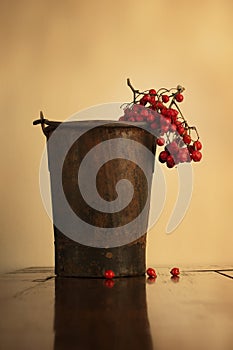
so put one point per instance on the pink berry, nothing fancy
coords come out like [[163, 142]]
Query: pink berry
[[183, 155], [172, 127], [132, 119], [150, 118], [139, 118], [172, 147], [165, 128], [144, 113], [154, 125]]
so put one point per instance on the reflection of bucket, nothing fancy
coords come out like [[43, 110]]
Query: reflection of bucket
[[89, 315], [75, 259]]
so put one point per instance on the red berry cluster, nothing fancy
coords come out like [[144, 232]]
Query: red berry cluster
[[160, 110]]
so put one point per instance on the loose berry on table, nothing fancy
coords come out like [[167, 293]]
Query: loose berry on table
[[151, 272], [109, 274], [175, 271]]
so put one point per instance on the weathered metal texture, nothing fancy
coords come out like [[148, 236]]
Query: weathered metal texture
[[75, 259]]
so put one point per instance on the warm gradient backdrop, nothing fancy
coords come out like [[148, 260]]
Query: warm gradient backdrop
[[62, 56]]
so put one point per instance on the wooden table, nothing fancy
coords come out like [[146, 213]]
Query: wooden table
[[195, 311]]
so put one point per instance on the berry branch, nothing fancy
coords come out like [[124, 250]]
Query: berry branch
[[167, 123]]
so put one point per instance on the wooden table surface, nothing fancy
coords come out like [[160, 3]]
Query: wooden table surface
[[194, 311]]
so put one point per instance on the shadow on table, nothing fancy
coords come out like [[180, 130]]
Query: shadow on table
[[101, 314]]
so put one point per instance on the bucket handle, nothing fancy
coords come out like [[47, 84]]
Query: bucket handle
[[44, 122]]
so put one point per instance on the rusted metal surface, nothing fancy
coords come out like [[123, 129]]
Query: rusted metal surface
[[74, 259]]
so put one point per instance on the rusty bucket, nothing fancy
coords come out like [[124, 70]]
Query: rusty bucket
[[79, 252]]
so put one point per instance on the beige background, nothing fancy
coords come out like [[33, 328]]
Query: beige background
[[62, 56]]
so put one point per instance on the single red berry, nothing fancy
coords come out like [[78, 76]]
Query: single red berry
[[170, 162], [180, 129], [196, 156], [169, 113], [152, 100], [197, 145], [143, 101], [151, 272], [174, 112], [165, 98], [179, 97], [147, 98], [175, 271], [159, 105], [163, 156], [109, 274], [164, 111], [187, 139], [178, 123], [152, 92], [160, 141]]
